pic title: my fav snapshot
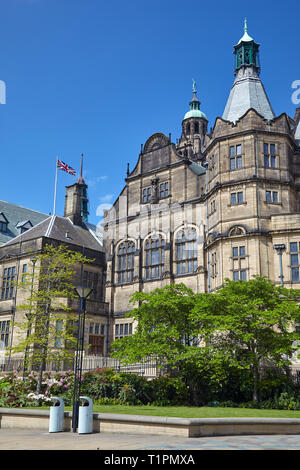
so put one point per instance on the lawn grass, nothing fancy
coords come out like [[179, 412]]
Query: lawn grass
[[194, 412]]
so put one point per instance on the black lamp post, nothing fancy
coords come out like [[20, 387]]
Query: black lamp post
[[83, 293]]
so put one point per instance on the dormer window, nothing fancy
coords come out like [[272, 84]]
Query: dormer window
[[3, 223], [23, 226]]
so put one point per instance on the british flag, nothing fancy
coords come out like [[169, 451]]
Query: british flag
[[64, 166]]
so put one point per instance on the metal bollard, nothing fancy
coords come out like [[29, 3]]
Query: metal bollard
[[85, 418], [56, 422]]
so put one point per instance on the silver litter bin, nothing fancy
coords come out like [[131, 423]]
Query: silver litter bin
[[56, 422], [85, 417]]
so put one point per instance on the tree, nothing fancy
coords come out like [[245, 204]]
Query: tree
[[45, 327], [163, 328], [249, 322]]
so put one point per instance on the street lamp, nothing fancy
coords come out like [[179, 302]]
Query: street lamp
[[279, 248], [82, 293]]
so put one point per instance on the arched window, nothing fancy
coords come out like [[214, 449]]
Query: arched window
[[186, 251], [196, 127], [125, 263], [154, 257]]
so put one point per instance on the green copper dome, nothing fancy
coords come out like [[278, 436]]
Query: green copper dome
[[195, 106], [195, 113]]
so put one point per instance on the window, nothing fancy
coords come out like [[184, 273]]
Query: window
[[4, 332], [213, 264], [58, 338], [213, 207], [238, 258], [272, 196], [186, 251], [238, 252], [155, 257], [239, 275], [8, 280], [235, 152], [123, 329], [294, 258], [236, 198], [24, 271], [125, 264], [96, 339], [163, 190], [147, 194], [3, 226], [90, 279], [269, 156]]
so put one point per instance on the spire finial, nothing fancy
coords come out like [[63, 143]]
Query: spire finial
[[80, 179], [81, 165], [245, 25], [194, 86]]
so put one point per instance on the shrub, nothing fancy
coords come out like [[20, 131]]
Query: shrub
[[168, 390]]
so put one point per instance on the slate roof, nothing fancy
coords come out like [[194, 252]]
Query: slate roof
[[247, 92], [16, 215], [62, 229]]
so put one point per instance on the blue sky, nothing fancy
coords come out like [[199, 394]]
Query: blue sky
[[99, 77]]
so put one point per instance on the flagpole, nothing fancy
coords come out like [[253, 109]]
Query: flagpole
[[54, 202]]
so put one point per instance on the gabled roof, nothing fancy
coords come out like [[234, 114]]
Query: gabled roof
[[62, 229], [15, 215]]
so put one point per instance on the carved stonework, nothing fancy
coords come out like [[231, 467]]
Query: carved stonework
[[156, 141]]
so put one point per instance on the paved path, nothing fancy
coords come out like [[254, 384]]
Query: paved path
[[16, 439]]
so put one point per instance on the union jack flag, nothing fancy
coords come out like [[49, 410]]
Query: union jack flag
[[63, 166]]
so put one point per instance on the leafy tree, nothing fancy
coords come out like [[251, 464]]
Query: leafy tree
[[44, 329], [248, 323], [163, 329]]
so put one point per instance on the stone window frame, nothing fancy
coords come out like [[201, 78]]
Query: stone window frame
[[146, 194], [154, 256], [8, 279], [213, 265], [5, 331], [123, 329], [294, 255], [270, 199], [235, 158], [190, 262], [96, 340], [271, 158], [237, 203], [125, 261]]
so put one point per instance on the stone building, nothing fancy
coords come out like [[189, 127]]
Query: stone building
[[215, 205], [17, 255]]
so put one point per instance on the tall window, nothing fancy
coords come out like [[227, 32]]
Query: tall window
[[4, 332], [269, 156], [163, 190], [96, 339], [235, 153], [147, 194], [238, 255], [213, 264], [8, 279], [155, 257], [90, 279], [126, 261], [294, 258], [186, 251]]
